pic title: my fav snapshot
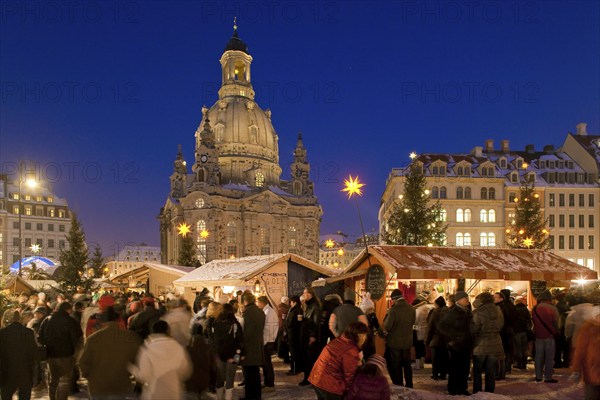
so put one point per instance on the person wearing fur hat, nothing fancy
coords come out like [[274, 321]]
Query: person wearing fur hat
[[488, 321], [545, 328], [370, 382], [456, 325], [398, 322]]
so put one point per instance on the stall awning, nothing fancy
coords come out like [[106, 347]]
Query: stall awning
[[416, 262], [142, 272]]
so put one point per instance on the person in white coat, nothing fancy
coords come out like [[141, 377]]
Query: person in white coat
[[178, 317], [269, 337], [162, 365]]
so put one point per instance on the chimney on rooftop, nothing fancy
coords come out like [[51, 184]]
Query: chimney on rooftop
[[582, 128], [549, 149], [489, 145], [476, 151], [505, 148], [530, 148]]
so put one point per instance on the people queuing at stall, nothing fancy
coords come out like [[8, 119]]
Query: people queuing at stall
[[47, 342]]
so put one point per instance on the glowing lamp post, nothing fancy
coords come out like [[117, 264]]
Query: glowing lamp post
[[30, 183]]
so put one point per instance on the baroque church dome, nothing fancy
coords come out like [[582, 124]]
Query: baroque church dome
[[245, 139]]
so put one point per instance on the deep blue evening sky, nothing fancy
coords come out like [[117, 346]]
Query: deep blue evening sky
[[111, 88]]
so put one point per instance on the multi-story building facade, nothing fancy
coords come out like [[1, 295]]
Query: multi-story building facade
[[131, 257], [45, 221], [478, 193], [234, 199], [337, 251]]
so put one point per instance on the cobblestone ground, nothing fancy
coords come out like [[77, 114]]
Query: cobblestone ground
[[519, 385]]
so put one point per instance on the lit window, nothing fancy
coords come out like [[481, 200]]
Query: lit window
[[16, 210], [442, 216], [259, 179], [27, 197], [460, 239], [511, 197], [292, 237], [467, 215], [51, 212], [483, 216], [15, 196], [199, 203], [27, 210], [491, 216], [460, 215], [483, 239], [61, 213], [50, 199], [467, 239]]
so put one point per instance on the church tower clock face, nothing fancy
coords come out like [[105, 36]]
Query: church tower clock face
[[204, 158]]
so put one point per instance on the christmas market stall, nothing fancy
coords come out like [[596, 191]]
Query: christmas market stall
[[273, 275], [439, 271], [153, 278]]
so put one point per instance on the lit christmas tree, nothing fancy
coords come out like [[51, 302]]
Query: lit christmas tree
[[415, 220], [73, 261], [528, 230], [187, 251]]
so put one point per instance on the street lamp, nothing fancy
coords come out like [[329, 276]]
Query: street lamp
[[31, 183]]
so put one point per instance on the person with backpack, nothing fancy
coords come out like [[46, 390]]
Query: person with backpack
[[545, 328]]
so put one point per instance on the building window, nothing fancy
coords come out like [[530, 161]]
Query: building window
[[15, 209], [50, 199], [460, 239], [551, 242], [581, 200], [551, 221], [581, 240], [297, 188], [561, 242], [487, 239], [591, 242], [492, 193], [292, 238], [27, 210], [467, 215], [591, 200], [231, 239], [571, 242], [259, 179], [491, 216], [591, 221], [435, 193], [459, 192], [483, 216], [571, 200], [571, 221], [511, 218], [582, 221], [511, 197], [514, 177], [459, 171], [39, 227], [61, 213], [61, 244], [484, 193], [551, 200], [443, 192], [460, 215], [561, 221], [27, 226], [61, 228], [441, 216], [51, 212], [50, 243], [199, 203], [467, 193], [503, 163], [265, 240], [467, 239], [561, 200]]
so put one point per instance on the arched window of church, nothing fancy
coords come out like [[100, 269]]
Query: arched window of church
[[265, 240], [297, 188], [201, 235], [259, 179], [201, 175], [239, 71], [492, 193], [292, 238], [484, 193], [459, 192], [231, 239], [253, 134], [467, 192], [220, 133]]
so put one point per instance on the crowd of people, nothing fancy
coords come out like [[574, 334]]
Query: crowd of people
[[136, 345]]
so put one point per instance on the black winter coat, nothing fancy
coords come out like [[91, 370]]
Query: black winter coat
[[18, 354], [254, 325], [60, 334], [225, 337], [457, 326], [523, 321], [435, 338], [311, 323], [292, 326]]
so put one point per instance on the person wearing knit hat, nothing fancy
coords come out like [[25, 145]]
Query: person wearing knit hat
[[456, 325], [399, 322]]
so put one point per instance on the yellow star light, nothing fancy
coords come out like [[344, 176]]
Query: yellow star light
[[35, 248], [528, 242], [183, 229], [204, 234], [413, 155], [353, 186], [340, 252], [525, 165], [329, 243]]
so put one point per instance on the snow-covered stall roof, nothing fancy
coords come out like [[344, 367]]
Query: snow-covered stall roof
[[173, 269], [236, 271], [416, 262]]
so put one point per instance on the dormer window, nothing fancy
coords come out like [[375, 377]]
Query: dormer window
[[531, 177], [519, 163], [542, 164], [439, 170], [503, 163], [514, 177]]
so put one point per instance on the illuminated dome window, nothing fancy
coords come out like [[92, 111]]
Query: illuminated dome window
[[199, 203], [259, 179]]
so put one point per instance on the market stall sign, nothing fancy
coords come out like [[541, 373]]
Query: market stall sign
[[376, 281]]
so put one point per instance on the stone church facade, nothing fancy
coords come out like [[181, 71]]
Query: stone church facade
[[233, 197]]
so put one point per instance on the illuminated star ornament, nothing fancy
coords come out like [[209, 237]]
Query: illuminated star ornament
[[352, 186], [204, 234], [329, 243], [35, 248], [183, 229], [413, 155], [528, 242]]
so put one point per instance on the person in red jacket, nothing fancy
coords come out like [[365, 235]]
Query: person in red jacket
[[370, 382], [586, 361], [333, 373]]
